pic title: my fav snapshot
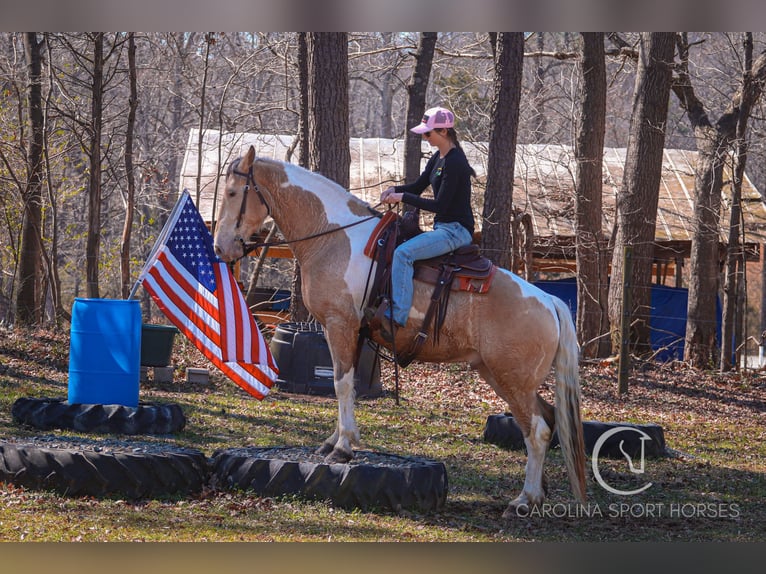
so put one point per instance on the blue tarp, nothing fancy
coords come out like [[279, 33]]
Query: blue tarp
[[667, 322]]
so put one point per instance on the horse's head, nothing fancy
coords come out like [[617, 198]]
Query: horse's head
[[243, 208]]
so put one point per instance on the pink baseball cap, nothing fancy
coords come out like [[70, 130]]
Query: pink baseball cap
[[435, 118]]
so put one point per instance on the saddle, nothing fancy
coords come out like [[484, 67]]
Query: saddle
[[464, 269]]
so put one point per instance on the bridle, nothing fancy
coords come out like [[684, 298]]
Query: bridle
[[249, 179], [248, 247]]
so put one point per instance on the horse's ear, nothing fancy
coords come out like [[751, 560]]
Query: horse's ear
[[247, 161]]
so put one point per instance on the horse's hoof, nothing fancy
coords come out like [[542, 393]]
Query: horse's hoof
[[325, 449], [339, 456], [520, 507]]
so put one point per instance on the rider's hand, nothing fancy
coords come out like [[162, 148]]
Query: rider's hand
[[388, 191], [391, 197]]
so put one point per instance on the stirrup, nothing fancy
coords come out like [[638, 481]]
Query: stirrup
[[377, 315], [377, 320]]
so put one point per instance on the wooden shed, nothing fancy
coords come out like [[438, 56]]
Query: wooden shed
[[543, 187]]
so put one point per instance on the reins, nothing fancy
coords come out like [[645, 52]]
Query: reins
[[247, 247]]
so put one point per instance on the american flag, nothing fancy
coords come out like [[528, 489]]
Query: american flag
[[197, 292]]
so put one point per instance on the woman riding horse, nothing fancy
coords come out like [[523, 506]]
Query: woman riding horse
[[512, 334]]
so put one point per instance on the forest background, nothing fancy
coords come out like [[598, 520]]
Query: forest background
[[93, 128]]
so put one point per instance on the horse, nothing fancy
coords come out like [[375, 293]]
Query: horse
[[512, 335]]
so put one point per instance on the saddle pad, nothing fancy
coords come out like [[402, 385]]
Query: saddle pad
[[462, 281]]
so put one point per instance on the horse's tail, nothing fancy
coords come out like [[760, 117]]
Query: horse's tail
[[568, 420]]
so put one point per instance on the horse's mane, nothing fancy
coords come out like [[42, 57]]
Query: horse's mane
[[321, 179]]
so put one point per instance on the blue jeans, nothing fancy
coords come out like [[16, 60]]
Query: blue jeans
[[444, 238]]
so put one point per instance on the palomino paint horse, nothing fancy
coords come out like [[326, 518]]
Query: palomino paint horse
[[511, 335]]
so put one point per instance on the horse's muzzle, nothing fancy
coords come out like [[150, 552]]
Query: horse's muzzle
[[228, 255]]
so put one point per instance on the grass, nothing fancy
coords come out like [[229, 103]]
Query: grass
[[712, 490]]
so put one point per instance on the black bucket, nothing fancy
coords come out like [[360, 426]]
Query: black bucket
[[269, 299], [305, 365], [157, 344]]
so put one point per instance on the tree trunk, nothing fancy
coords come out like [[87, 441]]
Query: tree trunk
[[328, 107], [94, 180], [498, 198], [303, 84], [592, 263], [713, 143], [639, 194], [130, 199], [329, 152], [209, 41], [387, 90], [735, 257], [53, 264], [538, 97], [416, 104], [29, 299], [704, 263], [184, 48], [298, 311]]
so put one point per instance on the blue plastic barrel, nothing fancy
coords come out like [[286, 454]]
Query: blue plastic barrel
[[105, 352]]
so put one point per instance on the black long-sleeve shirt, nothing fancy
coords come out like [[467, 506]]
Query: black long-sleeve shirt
[[450, 179]]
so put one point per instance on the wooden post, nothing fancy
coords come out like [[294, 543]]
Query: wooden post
[[627, 288]]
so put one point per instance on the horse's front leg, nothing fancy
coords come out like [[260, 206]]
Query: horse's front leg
[[338, 447]]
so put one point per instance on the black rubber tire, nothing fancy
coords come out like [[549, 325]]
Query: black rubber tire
[[147, 418], [503, 431], [102, 468], [370, 481]]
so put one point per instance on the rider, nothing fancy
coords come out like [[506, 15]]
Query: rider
[[449, 174]]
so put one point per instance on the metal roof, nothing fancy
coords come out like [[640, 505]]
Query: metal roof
[[543, 181]]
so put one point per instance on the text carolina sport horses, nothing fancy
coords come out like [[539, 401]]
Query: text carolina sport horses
[[511, 335]]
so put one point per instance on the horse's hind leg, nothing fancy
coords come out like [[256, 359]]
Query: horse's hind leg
[[535, 419], [537, 437]]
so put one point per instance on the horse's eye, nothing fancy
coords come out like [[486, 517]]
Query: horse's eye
[[232, 193]]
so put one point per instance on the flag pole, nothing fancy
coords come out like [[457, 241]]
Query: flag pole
[[169, 224]]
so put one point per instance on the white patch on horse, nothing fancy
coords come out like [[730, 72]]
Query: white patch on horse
[[529, 290], [346, 393], [334, 199], [358, 267], [537, 443], [332, 196]]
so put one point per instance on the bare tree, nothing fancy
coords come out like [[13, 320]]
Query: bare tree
[[416, 104], [498, 198], [592, 267], [29, 299], [734, 271], [298, 309], [131, 183], [639, 193], [94, 158], [324, 125], [329, 152], [713, 140]]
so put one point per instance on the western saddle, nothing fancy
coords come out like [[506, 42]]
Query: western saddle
[[464, 269]]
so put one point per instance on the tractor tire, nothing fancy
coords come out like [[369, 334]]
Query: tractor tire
[[85, 467], [146, 418], [503, 431], [370, 481]]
